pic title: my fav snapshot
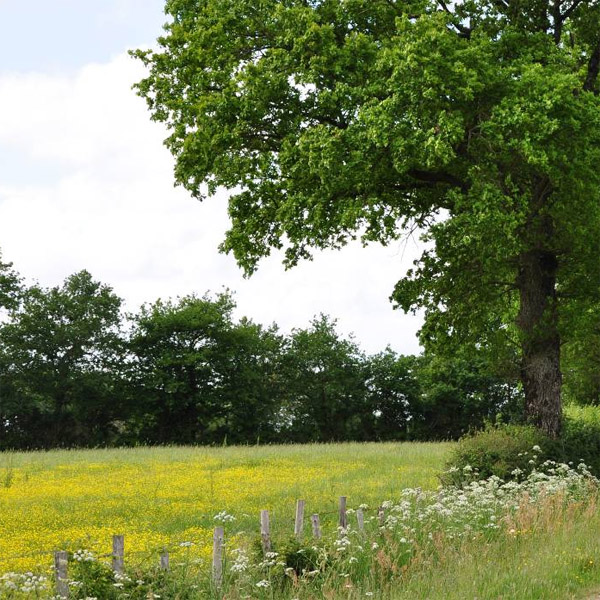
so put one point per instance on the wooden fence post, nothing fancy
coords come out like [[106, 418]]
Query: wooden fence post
[[360, 517], [217, 563], [299, 524], [61, 560], [265, 531], [316, 526], [118, 554], [164, 560], [343, 516]]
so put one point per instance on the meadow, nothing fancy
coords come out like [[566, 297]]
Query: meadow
[[536, 539], [165, 497]]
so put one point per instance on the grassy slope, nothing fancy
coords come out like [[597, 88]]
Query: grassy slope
[[549, 553]]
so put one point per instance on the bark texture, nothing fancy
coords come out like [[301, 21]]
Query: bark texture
[[538, 321]]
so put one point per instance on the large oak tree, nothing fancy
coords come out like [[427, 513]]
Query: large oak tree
[[476, 121]]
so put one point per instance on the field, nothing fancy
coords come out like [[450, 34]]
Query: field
[[537, 543], [164, 497]]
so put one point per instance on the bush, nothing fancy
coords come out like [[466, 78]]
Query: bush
[[301, 558], [506, 451], [580, 439]]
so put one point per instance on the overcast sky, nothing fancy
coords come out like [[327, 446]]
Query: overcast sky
[[85, 183]]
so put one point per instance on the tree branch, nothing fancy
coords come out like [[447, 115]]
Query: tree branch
[[592, 71], [462, 29], [564, 16], [558, 21], [559, 17], [438, 177]]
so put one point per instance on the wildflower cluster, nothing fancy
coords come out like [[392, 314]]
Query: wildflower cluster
[[25, 583], [224, 517], [480, 505], [84, 555], [241, 561]]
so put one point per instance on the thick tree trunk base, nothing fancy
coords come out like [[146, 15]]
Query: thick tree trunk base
[[542, 382], [538, 321]]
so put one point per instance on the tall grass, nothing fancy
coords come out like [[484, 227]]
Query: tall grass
[[554, 556]]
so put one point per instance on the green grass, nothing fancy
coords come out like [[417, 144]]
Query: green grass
[[556, 562], [160, 497], [418, 463], [553, 553]]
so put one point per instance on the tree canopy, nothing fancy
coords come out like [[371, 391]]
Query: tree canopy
[[59, 365], [476, 122], [202, 376]]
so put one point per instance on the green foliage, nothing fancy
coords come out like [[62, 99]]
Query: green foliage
[[581, 365], [60, 352], [10, 285], [580, 440], [506, 451], [187, 372], [395, 394], [300, 557], [325, 396], [92, 578], [476, 121], [499, 450], [198, 376], [95, 579], [175, 346], [461, 393]]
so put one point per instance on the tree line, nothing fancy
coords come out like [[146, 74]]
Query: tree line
[[76, 371]]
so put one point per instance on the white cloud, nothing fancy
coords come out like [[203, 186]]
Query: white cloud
[[113, 210], [78, 121], [118, 12]]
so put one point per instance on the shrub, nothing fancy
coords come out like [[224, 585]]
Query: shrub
[[506, 451], [91, 578], [580, 439], [301, 558]]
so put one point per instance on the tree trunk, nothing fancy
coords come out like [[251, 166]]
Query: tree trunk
[[538, 322]]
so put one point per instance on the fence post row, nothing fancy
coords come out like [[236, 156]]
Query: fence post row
[[265, 531], [61, 560], [118, 554]]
